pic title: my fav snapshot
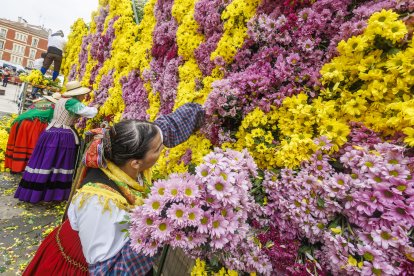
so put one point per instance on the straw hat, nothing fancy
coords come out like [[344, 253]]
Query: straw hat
[[54, 98], [74, 88]]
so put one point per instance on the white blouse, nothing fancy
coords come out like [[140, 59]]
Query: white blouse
[[56, 41], [88, 111], [100, 232]]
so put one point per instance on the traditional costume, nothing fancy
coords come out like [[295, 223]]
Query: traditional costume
[[103, 198], [48, 174], [25, 132]]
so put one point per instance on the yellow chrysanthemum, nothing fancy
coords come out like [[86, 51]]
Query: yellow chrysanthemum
[[397, 62], [394, 31], [355, 107], [353, 45], [409, 140], [383, 17]]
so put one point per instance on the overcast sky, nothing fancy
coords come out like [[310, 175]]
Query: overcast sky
[[52, 14]]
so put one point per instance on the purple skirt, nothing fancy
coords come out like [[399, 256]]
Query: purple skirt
[[48, 174]]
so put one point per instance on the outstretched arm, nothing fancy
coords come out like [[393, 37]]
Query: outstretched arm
[[178, 126]]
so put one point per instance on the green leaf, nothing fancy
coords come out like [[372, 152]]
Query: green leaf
[[321, 202], [269, 244], [123, 222], [303, 249], [393, 51]]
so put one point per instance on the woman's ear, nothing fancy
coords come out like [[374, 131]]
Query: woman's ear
[[136, 164]]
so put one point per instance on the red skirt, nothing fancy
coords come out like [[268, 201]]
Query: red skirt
[[8, 161], [59, 254], [22, 141]]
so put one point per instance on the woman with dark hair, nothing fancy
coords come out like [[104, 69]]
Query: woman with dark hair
[[115, 178]]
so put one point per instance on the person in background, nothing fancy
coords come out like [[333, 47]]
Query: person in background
[[25, 132], [6, 77], [48, 174], [114, 179], [37, 65], [55, 45]]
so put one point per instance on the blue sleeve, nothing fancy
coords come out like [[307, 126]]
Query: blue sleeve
[[178, 126]]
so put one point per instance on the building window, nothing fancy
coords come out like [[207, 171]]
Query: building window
[[35, 42], [17, 60], [30, 64], [1, 44], [3, 33], [32, 53], [18, 49], [21, 37]]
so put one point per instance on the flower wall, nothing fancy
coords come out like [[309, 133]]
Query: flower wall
[[319, 93]]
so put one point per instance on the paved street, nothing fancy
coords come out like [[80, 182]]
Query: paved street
[[23, 226], [8, 102]]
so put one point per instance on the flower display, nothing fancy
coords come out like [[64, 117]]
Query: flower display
[[135, 97], [355, 210], [205, 214], [318, 94], [163, 72], [70, 62], [35, 78]]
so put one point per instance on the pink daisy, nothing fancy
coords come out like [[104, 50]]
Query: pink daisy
[[190, 189], [174, 190], [195, 239], [158, 188], [194, 215], [370, 164], [203, 171], [218, 225], [385, 195], [219, 188], [397, 171], [153, 205], [145, 224], [162, 230], [150, 248], [178, 239], [400, 212], [178, 214], [219, 242], [384, 237], [213, 159], [366, 202], [205, 221]]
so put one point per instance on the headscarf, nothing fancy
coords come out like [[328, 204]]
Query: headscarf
[[94, 157], [100, 142]]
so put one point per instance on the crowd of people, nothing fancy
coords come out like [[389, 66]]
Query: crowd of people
[[112, 178]]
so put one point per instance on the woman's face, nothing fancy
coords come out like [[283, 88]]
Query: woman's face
[[153, 154]]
